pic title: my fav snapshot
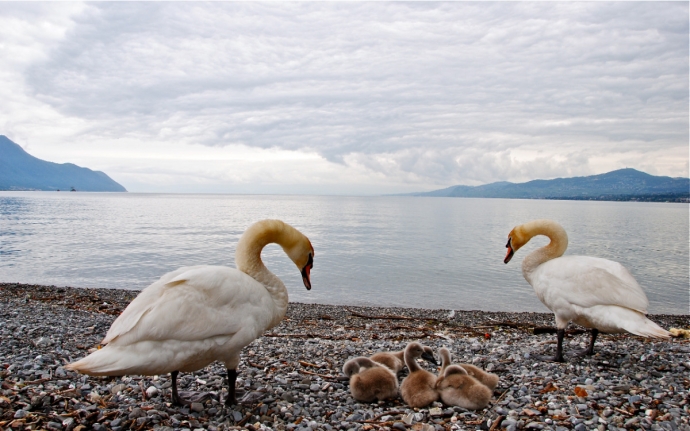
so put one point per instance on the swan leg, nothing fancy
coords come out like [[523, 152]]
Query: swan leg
[[176, 399], [232, 379], [560, 333], [589, 351]]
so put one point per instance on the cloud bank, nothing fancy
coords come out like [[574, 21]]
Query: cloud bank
[[347, 97]]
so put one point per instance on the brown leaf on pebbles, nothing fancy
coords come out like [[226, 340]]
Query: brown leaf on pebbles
[[580, 392], [550, 387], [530, 412]]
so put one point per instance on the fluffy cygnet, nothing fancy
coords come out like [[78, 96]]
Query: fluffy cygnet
[[396, 360], [490, 380], [393, 360], [419, 387], [457, 388], [370, 381]]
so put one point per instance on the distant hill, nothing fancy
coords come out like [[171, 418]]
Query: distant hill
[[21, 171], [623, 184]]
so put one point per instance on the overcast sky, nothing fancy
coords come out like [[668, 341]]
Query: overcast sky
[[346, 98]]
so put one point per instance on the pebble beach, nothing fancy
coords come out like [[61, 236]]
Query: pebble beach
[[291, 379]]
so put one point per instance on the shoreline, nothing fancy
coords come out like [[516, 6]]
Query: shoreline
[[292, 377], [121, 297]]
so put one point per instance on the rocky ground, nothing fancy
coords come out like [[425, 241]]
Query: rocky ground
[[291, 377]]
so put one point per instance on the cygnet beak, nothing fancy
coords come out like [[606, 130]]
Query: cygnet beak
[[429, 357]]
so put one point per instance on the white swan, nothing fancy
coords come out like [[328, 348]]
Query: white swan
[[592, 292], [198, 314]]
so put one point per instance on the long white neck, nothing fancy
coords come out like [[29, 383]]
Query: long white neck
[[555, 248], [248, 257]]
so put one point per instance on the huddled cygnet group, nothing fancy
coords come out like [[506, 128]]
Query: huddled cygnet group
[[376, 379], [195, 315]]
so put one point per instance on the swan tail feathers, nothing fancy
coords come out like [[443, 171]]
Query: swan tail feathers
[[125, 323], [102, 363], [96, 364], [649, 329]]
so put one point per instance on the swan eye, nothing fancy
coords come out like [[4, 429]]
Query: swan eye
[[508, 243]]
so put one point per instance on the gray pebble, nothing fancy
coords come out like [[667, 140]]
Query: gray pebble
[[136, 413], [272, 373], [117, 388]]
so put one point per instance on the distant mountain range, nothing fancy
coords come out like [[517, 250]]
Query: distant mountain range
[[21, 171], [623, 184]]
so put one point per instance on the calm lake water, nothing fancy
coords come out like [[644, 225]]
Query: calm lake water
[[382, 251]]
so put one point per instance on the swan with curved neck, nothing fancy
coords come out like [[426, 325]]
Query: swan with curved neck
[[195, 315], [592, 292]]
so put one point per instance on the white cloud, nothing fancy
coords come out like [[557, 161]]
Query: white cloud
[[347, 97]]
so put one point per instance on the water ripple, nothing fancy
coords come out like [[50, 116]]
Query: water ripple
[[386, 251]]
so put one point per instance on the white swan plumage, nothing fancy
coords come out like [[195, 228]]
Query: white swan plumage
[[195, 315], [592, 292]]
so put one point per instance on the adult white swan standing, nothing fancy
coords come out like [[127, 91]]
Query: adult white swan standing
[[198, 314], [592, 292]]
